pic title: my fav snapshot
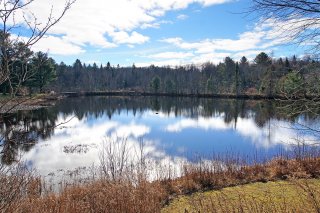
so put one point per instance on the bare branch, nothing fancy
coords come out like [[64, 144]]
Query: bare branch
[[298, 21]]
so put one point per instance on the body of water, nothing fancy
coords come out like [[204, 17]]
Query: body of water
[[72, 134]]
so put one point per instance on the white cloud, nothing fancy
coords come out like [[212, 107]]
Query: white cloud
[[95, 137], [58, 46], [263, 37], [278, 132], [109, 24], [181, 59], [171, 55], [90, 23], [246, 41], [123, 37], [182, 17], [161, 63], [212, 57], [212, 2], [133, 129], [201, 123], [155, 24]]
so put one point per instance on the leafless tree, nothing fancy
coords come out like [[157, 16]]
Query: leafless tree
[[295, 20], [16, 39], [13, 43]]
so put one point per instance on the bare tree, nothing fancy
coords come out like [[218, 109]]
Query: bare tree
[[16, 39], [13, 43], [295, 20]]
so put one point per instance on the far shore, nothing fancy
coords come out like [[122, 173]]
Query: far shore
[[196, 95], [11, 105]]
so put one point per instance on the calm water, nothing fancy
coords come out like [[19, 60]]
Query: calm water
[[72, 134]]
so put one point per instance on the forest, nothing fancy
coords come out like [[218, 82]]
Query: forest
[[289, 77]]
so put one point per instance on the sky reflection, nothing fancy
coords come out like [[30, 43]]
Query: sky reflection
[[167, 138]]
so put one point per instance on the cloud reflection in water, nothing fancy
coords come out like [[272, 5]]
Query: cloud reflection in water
[[50, 156]]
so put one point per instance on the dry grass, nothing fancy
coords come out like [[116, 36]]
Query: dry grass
[[129, 190], [100, 196], [16, 183], [281, 196], [214, 175]]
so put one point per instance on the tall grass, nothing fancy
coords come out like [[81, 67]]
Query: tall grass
[[16, 183], [138, 184]]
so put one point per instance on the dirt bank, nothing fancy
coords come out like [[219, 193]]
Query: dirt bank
[[11, 105]]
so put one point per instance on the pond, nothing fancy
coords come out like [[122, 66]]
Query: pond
[[72, 134]]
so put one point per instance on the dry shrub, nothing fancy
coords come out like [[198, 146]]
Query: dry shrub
[[128, 190], [100, 196], [16, 182], [107, 195], [295, 168], [197, 177]]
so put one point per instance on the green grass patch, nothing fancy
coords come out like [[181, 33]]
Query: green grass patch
[[281, 196]]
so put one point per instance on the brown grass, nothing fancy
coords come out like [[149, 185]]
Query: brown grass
[[122, 194], [216, 175], [100, 196]]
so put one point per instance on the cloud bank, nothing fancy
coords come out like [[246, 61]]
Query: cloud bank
[[102, 24]]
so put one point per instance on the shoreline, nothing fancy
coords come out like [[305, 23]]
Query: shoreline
[[191, 95], [20, 103]]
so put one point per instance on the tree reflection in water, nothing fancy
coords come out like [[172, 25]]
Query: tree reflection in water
[[20, 131]]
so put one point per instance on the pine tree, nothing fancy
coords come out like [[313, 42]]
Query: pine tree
[[43, 69]]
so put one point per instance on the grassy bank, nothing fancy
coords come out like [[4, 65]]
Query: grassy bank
[[280, 196], [131, 191]]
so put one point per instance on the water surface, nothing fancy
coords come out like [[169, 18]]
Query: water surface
[[72, 134]]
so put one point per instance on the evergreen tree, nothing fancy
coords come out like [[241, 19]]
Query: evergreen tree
[[108, 66], [262, 59], [43, 69], [209, 86], [155, 84], [170, 86], [237, 79]]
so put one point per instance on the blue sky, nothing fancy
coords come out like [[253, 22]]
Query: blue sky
[[163, 32]]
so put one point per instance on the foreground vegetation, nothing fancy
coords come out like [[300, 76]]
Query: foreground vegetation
[[122, 186]]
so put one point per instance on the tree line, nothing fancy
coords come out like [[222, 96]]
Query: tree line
[[293, 77]]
